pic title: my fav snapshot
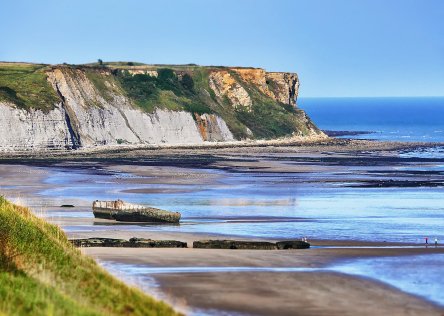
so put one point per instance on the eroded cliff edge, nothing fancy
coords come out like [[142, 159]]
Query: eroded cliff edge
[[78, 106]]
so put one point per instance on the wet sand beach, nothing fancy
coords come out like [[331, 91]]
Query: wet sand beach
[[311, 292], [356, 201], [291, 146]]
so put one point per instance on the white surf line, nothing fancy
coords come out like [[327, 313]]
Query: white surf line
[[132, 269]]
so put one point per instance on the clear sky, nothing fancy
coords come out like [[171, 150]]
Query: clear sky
[[338, 47]]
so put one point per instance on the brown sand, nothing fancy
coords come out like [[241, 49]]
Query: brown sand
[[267, 293], [276, 293], [261, 293], [238, 148]]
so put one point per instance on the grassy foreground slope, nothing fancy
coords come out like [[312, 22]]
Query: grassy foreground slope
[[41, 273]]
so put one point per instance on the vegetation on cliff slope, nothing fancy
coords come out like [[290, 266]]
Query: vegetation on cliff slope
[[270, 118], [166, 91], [174, 87], [191, 92], [41, 273], [25, 85]]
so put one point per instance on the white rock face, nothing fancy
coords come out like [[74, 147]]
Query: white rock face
[[224, 132], [152, 73], [108, 122], [86, 119], [162, 126], [35, 130], [93, 119]]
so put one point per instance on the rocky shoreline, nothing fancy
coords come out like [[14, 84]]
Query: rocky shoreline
[[201, 244], [131, 243], [313, 145]]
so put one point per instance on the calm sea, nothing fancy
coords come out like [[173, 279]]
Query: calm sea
[[401, 119]]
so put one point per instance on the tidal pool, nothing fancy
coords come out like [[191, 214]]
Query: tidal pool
[[264, 206]]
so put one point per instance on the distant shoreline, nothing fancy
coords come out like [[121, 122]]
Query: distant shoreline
[[334, 133], [296, 145]]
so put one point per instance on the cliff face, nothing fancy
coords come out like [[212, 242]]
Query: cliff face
[[21, 129], [281, 86], [95, 120], [146, 105]]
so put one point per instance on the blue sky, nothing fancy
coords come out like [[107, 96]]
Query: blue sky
[[338, 47]]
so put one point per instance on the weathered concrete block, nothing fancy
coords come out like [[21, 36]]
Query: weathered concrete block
[[98, 242], [127, 212], [233, 244], [149, 243], [292, 244], [260, 245], [132, 243]]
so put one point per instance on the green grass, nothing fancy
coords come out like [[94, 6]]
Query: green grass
[[200, 78], [268, 118], [161, 99], [41, 273], [26, 86], [176, 88], [106, 85], [166, 91]]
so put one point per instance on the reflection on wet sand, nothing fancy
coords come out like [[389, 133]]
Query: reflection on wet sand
[[267, 196]]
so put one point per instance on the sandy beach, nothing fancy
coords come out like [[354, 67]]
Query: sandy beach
[[309, 287], [276, 293], [293, 294]]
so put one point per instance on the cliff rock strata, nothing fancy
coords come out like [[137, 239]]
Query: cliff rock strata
[[34, 129], [281, 86], [224, 85], [187, 105]]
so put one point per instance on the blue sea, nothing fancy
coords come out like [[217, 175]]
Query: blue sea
[[398, 119]]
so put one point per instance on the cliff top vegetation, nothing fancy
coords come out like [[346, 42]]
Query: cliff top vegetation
[[25, 86], [173, 87]]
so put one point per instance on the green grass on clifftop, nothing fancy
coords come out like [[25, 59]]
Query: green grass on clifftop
[[166, 91], [41, 273], [151, 87], [25, 85]]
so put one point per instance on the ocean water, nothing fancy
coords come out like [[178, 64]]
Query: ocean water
[[291, 205], [264, 206], [399, 119], [416, 274]]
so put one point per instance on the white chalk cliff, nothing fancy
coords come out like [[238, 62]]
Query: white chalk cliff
[[84, 118]]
